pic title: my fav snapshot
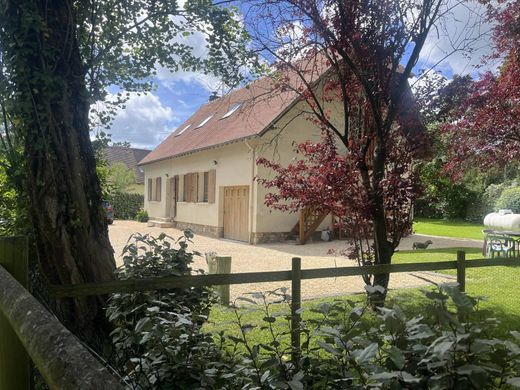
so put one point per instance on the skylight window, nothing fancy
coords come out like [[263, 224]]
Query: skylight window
[[231, 111], [205, 121], [183, 130]]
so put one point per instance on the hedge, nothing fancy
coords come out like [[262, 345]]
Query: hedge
[[510, 200], [126, 205]]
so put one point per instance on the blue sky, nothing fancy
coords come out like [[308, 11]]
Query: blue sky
[[147, 120]]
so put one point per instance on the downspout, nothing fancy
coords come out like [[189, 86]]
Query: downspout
[[251, 196]]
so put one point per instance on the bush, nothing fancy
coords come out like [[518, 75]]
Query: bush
[[510, 199], [126, 205], [142, 215], [345, 346], [157, 335], [486, 202]]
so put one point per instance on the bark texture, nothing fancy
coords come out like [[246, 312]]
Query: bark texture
[[64, 191]]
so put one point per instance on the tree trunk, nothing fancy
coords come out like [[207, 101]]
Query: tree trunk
[[383, 248], [53, 107]]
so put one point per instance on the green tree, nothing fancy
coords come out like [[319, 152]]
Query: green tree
[[58, 57], [121, 177]]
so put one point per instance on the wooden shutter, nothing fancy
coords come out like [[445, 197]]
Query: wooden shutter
[[184, 188], [187, 187], [158, 190], [150, 189], [194, 187], [212, 176], [205, 187]]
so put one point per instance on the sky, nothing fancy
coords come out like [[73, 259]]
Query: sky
[[148, 119]]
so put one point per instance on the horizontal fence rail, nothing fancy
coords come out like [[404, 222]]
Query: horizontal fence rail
[[62, 360], [172, 282], [295, 275]]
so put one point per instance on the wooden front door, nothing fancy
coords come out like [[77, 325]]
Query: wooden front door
[[236, 213]]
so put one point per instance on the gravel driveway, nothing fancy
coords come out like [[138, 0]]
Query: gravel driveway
[[277, 257]]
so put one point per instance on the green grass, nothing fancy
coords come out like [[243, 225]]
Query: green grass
[[499, 284], [448, 228]]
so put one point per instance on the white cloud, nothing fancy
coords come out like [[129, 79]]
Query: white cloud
[[463, 28], [144, 121]]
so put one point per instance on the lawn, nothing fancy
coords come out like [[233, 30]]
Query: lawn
[[498, 284], [448, 228]]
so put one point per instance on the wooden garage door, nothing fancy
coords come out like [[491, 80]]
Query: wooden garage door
[[236, 212]]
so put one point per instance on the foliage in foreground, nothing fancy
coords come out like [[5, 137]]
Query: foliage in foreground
[[157, 337], [160, 342]]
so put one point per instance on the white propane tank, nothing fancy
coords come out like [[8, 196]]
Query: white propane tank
[[503, 220]]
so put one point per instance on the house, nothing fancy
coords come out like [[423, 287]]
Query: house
[[202, 176], [128, 156]]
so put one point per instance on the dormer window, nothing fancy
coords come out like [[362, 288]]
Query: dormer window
[[231, 110], [205, 121], [183, 130]]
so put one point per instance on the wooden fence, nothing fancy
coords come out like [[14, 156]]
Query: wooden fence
[[29, 332], [295, 275]]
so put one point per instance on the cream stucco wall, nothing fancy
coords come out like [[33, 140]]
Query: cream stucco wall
[[233, 168], [278, 145], [233, 164]]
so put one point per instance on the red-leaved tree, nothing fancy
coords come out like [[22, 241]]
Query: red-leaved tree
[[486, 131], [362, 169]]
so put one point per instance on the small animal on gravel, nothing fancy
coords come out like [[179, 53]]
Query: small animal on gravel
[[421, 245]]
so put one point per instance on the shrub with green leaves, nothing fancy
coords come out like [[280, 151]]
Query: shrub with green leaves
[[510, 199], [126, 205], [142, 215], [347, 346], [160, 343], [157, 335]]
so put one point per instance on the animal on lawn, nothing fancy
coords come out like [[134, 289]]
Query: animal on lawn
[[421, 245]]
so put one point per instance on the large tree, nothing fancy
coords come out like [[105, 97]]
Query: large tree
[[486, 130], [362, 169], [58, 57]]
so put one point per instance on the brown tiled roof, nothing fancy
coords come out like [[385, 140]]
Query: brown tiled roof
[[262, 103], [128, 156], [260, 106]]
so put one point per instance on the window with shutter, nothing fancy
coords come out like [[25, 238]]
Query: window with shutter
[[150, 189]]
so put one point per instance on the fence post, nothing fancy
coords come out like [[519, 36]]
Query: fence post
[[461, 270], [223, 267], [219, 265], [15, 369], [295, 309]]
